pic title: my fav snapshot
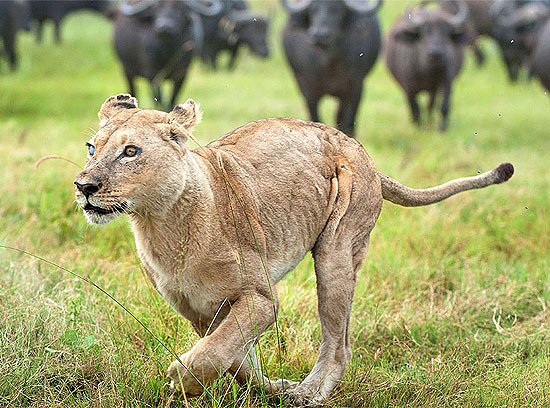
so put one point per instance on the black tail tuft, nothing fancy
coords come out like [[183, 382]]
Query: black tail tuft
[[504, 171]]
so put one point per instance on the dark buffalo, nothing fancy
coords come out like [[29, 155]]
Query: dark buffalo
[[424, 52], [157, 41], [516, 23], [56, 10], [540, 61], [14, 15], [235, 27], [331, 46], [529, 25], [479, 22]]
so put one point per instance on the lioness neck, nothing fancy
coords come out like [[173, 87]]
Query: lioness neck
[[160, 235]]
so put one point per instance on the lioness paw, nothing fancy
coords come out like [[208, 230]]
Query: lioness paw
[[182, 381]]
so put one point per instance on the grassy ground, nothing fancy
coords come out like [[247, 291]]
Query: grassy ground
[[452, 305]]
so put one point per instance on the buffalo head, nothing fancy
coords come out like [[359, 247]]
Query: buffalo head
[[434, 33], [325, 18], [248, 28], [168, 17]]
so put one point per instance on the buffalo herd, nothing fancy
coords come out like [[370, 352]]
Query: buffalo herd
[[330, 45]]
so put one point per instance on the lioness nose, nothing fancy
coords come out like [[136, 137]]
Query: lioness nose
[[87, 188]]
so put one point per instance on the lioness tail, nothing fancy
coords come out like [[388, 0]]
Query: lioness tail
[[397, 193]]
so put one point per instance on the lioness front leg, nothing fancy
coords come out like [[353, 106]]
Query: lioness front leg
[[214, 354]]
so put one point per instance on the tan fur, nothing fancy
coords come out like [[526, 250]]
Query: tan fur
[[207, 221]]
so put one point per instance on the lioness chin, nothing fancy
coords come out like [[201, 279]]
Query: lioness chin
[[217, 227]]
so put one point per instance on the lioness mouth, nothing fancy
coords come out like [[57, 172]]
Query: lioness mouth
[[99, 210]]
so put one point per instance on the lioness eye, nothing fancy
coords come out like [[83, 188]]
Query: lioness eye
[[91, 149], [131, 151]]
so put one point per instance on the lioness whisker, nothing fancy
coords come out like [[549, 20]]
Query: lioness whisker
[[53, 157]]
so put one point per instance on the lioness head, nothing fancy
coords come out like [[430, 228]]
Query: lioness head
[[135, 161]]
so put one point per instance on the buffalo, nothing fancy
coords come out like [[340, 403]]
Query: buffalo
[[235, 27], [516, 23], [14, 15], [56, 10], [528, 26], [540, 60], [157, 40], [331, 46], [424, 52]]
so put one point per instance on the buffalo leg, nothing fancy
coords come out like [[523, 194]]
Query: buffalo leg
[[512, 67], [9, 47], [415, 110], [13, 59], [39, 29], [347, 110], [157, 94], [57, 28], [431, 102], [311, 97], [480, 57], [176, 90], [210, 57], [234, 53], [213, 58], [131, 85], [312, 106], [445, 108]]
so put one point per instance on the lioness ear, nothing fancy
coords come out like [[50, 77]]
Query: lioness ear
[[186, 115], [114, 104]]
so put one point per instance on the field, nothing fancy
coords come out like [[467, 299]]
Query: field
[[452, 307]]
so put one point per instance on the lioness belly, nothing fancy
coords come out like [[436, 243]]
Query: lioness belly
[[280, 267]]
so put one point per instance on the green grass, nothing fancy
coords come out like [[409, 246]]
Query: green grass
[[452, 303]]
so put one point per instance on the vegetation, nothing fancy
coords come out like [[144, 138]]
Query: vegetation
[[452, 304]]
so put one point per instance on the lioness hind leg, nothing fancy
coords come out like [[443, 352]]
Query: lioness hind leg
[[214, 354], [336, 270]]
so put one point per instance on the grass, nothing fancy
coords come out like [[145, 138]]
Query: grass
[[452, 305]]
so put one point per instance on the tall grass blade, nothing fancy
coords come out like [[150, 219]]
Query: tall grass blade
[[90, 282]]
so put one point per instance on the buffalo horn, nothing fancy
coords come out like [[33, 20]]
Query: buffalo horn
[[211, 8], [131, 8], [530, 13], [363, 7], [415, 17], [296, 7], [500, 7], [462, 14]]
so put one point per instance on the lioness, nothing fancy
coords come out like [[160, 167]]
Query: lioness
[[217, 227]]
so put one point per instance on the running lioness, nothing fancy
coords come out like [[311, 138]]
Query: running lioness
[[217, 227]]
